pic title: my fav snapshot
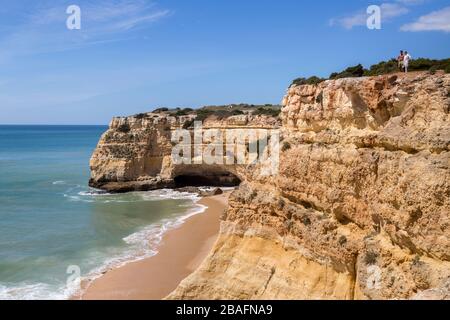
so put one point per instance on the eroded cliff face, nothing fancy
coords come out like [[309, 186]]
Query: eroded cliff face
[[360, 208], [135, 154]]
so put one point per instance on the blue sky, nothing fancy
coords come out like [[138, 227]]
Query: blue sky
[[132, 56]]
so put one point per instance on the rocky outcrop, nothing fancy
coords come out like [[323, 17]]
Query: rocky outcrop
[[135, 154], [360, 208]]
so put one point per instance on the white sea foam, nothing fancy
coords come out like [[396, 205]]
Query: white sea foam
[[140, 245], [208, 189], [94, 195], [58, 183], [159, 195], [94, 192], [36, 291], [143, 243]]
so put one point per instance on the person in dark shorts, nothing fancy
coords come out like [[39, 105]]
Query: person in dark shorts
[[400, 59]]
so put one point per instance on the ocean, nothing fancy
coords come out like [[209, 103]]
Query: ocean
[[50, 220]]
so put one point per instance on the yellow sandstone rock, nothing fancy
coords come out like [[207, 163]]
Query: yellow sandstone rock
[[360, 208]]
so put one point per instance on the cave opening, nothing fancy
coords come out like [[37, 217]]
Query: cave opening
[[222, 180]]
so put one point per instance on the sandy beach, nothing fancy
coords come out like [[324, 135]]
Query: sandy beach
[[180, 253]]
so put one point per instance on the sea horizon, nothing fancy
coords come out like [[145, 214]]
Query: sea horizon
[[54, 125]]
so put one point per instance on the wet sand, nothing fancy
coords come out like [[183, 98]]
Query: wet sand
[[180, 253]]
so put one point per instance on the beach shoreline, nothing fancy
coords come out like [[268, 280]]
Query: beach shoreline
[[180, 253]]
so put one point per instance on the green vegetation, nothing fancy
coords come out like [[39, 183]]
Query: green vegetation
[[222, 112], [202, 114], [351, 72], [383, 67], [182, 112], [420, 64], [427, 64], [447, 68], [160, 110], [141, 116], [240, 108], [267, 111], [310, 80], [188, 124]]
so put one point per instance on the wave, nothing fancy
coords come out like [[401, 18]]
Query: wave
[[37, 291], [142, 244], [94, 192], [59, 182], [94, 195], [208, 189], [162, 194], [29, 292]]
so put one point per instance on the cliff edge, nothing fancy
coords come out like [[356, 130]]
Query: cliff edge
[[360, 208]]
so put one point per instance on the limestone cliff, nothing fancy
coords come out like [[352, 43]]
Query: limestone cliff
[[360, 208], [135, 153]]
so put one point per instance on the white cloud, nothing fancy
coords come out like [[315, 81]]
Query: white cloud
[[107, 16], [411, 2], [43, 29], [134, 21], [388, 11], [392, 10], [434, 21]]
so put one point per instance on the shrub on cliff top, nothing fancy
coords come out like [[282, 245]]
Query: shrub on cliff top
[[237, 112], [423, 64], [447, 68], [420, 64], [382, 67], [178, 112], [351, 72], [310, 80], [159, 110], [140, 116], [267, 112], [202, 114]]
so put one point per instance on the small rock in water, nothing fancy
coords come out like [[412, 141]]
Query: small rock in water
[[200, 192], [217, 191], [213, 192]]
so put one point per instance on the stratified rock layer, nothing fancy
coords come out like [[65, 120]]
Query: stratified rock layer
[[135, 154], [360, 208]]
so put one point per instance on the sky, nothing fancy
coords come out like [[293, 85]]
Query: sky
[[133, 56]]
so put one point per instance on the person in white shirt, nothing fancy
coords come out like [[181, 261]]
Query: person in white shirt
[[406, 59]]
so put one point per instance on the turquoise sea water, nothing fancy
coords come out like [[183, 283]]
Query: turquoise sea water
[[50, 219]]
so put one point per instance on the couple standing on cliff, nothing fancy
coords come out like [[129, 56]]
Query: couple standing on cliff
[[403, 60]]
